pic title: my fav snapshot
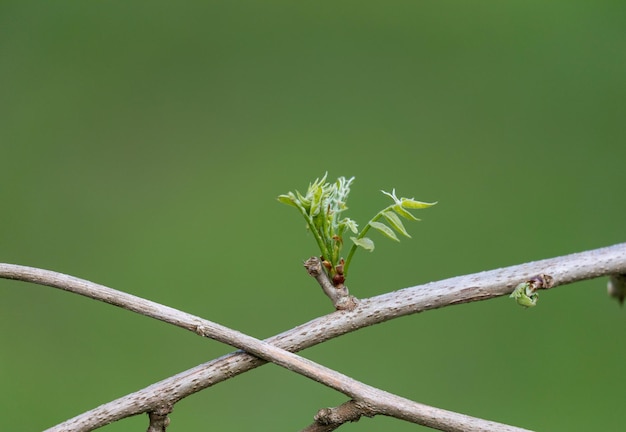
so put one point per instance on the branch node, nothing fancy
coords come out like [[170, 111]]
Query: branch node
[[159, 420], [201, 330], [525, 294], [350, 411], [346, 302], [541, 281]]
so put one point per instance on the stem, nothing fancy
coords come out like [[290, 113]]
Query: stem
[[364, 231], [339, 295], [311, 224], [327, 236]]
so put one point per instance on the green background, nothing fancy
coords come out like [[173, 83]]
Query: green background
[[143, 145]]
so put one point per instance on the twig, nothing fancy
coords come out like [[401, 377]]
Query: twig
[[339, 295], [461, 289], [329, 419]]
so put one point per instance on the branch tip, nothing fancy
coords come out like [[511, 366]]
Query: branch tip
[[313, 266]]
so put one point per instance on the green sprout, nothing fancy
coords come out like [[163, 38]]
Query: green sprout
[[525, 295], [322, 207]]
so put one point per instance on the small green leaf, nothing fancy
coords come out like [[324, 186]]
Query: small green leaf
[[385, 230], [316, 202], [395, 223], [524, 295], [410, 203], [289, 199], [365, 243], [402, 212], [351, 224], [392, 195], [306, 203]]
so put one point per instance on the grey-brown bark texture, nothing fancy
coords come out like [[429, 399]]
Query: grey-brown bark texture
[[462, 289]]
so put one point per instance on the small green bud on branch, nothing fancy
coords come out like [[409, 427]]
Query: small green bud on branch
[[525, 294]]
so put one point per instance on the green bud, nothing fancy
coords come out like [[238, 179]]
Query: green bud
[[525, 295]]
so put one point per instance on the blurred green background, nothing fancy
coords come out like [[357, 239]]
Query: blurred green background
[[143, 145]]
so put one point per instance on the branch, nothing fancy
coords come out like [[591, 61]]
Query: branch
[[462, 289], [339, 295], [374, 399], [329, 419], [159, 420]]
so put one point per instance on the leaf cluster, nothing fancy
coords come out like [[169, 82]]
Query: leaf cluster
[[322, 207]]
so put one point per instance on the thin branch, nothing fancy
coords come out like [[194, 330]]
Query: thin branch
[[329, 419], [377, 400], [461, 289], [339, 295]]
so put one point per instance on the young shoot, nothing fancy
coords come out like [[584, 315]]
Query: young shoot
[[322, 208]]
